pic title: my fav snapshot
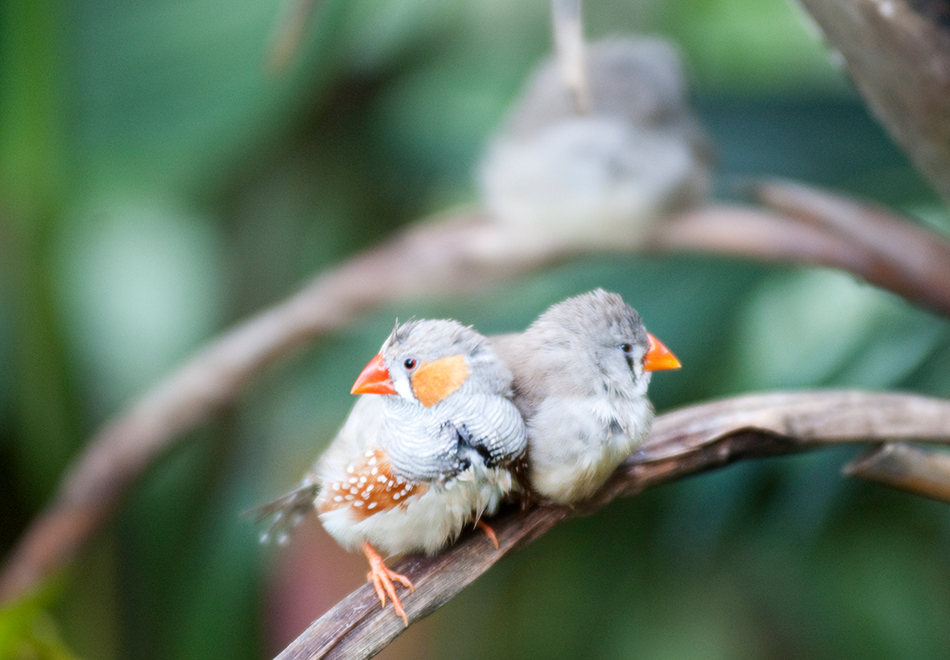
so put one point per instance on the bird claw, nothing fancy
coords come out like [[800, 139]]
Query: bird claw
[[489, 532], [382, 578]]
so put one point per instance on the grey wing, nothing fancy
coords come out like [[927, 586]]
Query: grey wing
[[486, 429], [497, 433]]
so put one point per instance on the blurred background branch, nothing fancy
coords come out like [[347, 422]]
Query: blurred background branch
[[822, 228], [288, 33]]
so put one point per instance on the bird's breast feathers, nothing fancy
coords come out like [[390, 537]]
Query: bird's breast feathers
[[408, 518]]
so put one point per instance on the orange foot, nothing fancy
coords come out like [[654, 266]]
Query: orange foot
[[489, 532], [382, 579]]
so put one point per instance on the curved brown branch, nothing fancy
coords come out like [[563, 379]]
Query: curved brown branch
[[920, 471], [907, 257], [750, 232], [682, 443], [812, 226]]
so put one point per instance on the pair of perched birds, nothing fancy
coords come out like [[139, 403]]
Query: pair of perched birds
[[451, 423]]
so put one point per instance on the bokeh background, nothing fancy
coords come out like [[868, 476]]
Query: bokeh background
[[158, 183]]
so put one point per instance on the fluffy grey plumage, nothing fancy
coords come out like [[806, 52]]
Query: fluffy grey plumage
[[581, 386]]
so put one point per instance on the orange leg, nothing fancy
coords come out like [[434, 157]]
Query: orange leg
[[489, 532], [382, 579]]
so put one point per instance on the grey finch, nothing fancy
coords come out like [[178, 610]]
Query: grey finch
[[581, 375]]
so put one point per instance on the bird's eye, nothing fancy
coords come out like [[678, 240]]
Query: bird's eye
[[409, 364], [626, 348]]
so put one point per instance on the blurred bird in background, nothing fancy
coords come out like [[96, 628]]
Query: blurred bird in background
[[602, 175]]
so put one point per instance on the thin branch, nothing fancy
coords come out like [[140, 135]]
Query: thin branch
[[682, 443], [811, 226], [288, 33], [753, 233], [908, 258], [920, 471], [568, 21]]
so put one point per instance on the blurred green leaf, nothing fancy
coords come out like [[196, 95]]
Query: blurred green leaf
[[169, 93], [140, 284], [29, 632], [753, 47], [32, 103], [810, 327]]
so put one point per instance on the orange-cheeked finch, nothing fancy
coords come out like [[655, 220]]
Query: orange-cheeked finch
[[433, 443]]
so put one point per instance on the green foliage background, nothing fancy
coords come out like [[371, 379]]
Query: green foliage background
[[157, 185]]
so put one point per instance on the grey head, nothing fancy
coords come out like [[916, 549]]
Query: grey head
[[416, 344], [586, 346], [452, 405]]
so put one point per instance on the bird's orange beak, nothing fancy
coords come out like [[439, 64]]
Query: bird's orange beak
[[659, 356], [374, 379]]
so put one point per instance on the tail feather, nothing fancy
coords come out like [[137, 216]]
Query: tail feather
[[286, 512]]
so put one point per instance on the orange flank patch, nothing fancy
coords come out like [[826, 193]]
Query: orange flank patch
[[433, 381], [368, 486]]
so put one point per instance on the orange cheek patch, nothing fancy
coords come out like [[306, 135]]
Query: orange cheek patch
[[368, 487], [434, 381]]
